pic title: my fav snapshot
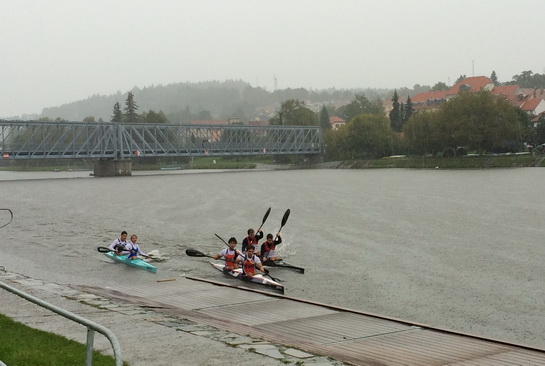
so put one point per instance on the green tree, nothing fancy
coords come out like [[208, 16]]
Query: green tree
[[89, 119], [481, 122], [118, 115], [368, 135], [408, 110], [460, 78], [423, 133], [293, 112], [396, 114], [494, 78], [527, 79], [154, 117], [360, 105], [324, 119], [131, 109], [439, 86]]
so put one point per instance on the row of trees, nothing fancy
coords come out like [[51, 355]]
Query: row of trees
[[130, 113], [478, 122]]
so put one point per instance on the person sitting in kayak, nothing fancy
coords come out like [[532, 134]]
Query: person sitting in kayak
[[134, 249], [119, 246], [230, 255], [251, 239], [250, 262], [268, 248]]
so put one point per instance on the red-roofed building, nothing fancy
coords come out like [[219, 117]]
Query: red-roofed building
[[512, 93], [336, 122], [540, 118], [432, 100], [471, 84], [533, 106]]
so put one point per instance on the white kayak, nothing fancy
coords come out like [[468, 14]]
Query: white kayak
[[257, 278]]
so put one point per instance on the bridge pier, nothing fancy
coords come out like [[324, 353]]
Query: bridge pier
[[112, 168]]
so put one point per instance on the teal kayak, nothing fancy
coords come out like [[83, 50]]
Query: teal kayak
[[138, 263]]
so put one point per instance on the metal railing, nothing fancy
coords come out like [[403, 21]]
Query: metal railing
[[92, 327]]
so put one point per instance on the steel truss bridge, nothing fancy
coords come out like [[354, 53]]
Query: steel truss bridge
[[43, 140]]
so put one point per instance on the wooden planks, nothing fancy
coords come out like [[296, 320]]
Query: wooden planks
[[352, 337]]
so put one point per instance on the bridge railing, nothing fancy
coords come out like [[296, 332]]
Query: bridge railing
[[39, 140]]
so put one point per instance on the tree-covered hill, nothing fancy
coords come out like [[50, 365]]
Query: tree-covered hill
[[182, 102]]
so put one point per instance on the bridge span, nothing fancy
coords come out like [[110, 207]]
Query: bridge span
[[113, 145]]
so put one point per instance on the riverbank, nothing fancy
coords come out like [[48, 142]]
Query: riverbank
[[147, 337], [398, 161]]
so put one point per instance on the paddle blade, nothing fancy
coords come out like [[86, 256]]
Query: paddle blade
[[266, 215], [104, 249], [285, 218], [194, 253]]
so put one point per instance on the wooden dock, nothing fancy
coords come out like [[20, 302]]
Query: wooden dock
[[350, 336]]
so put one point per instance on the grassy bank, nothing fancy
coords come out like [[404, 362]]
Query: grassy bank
[[21, 345], [415, 162]]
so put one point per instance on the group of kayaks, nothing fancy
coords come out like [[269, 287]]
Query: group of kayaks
[[261, 279]]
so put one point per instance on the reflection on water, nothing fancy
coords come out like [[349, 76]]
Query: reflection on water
[[455, 249]]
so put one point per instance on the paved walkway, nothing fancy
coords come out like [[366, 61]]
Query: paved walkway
[[147, 337]]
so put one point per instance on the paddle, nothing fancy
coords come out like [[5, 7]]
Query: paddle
[[11, 216], [106, 250], [284, 219], [264, 218], [195, 253], [266, 271]]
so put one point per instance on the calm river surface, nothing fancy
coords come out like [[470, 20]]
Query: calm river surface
[[460, 250]]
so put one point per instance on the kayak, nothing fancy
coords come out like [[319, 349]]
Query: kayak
[[281, 264], [138, 263], [257, 278]]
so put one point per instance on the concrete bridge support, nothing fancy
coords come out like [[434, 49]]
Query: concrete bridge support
[[112, 168]]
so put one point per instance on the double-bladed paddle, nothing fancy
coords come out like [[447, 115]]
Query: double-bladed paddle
[[106, 250]]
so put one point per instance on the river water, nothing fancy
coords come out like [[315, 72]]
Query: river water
[[460, 250]]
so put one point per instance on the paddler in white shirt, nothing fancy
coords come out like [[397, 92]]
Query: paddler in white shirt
[[250, 262], [229, 254], [134, 249], [119, 246]]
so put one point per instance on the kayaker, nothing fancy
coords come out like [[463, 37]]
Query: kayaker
[[250, 262], [229, 254], [119, 246], [251, 239], [268, 248], [134, 249]]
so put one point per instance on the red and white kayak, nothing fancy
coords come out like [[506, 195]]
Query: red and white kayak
[[257, 278]]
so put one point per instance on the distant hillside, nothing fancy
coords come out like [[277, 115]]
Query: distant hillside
[[182, 102]]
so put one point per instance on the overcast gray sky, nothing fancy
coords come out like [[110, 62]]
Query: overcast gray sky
[[59, 51]]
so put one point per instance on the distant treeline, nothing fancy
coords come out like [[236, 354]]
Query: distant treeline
[[183, 102]]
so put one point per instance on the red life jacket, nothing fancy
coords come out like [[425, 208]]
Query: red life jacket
[[248, 266], [230, 258], [251, 241]]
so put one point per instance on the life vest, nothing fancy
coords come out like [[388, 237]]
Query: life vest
[[267, 249], [230, 258], [251, 241], [248, 266]]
